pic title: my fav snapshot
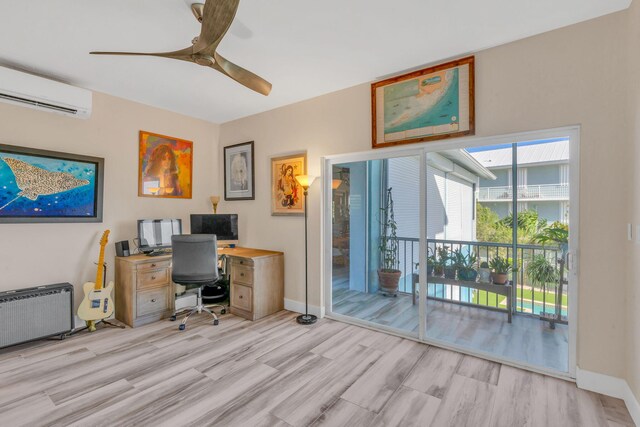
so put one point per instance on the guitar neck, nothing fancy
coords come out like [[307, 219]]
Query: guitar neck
[[100, 270]]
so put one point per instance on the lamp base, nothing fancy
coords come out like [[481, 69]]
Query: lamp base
[[306, 319]]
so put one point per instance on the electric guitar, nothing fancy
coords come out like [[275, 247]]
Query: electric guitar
[[97, 303]]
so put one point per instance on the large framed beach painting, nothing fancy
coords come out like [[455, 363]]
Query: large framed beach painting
[[286, 194], [165, 166], [49, 186], [425, 105]]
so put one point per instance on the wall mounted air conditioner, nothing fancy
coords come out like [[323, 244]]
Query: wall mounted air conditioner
[[42, 94]]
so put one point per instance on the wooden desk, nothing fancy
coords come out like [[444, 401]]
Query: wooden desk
[[144, 291]]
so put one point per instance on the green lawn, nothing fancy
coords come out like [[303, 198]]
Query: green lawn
[[481, 297]]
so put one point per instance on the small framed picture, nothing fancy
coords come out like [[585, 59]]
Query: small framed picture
[[165, 166], [286, 194], [239, 180]]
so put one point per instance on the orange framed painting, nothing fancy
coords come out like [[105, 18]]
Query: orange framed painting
[[425, 105], [165, 166]]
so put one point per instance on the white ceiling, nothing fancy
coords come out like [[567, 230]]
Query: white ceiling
[[305, 48]]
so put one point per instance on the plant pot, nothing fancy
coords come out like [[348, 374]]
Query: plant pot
[[438, 270], [450, 272], [500, 278], [485, 275], [467, 274], [389, 281]]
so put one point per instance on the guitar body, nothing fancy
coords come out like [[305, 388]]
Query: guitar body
[[96, 304]]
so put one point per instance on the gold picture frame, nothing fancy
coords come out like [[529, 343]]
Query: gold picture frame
[[286, 194], [425, 105]]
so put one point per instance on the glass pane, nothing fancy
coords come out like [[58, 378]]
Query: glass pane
[[480, 293], [375, 219]]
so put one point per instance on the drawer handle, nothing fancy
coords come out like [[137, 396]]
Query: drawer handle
[[153, 300], [241, 274], [153, 277], [153, 265], [240, 297]]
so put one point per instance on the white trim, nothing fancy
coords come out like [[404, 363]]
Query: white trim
[[610, 386], [298, 307]]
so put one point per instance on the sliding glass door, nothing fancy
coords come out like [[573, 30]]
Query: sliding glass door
[[466, 246]]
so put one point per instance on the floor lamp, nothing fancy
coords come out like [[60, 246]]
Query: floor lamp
[[305, 182]]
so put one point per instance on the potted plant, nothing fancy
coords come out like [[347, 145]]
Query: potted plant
[[451, 267], [431, 262], [388, 273], [557, 233], [467, 271], [501, 269], [484, 272], [440, 260]]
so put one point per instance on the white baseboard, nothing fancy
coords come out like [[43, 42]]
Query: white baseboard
[[298, 307], [610, 386]]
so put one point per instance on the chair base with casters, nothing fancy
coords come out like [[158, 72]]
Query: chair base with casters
[[198, 308]]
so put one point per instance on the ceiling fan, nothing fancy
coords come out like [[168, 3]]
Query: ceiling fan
[[216, 17]]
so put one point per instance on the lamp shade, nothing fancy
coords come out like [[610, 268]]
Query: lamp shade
[[335, 183], [305, 181]]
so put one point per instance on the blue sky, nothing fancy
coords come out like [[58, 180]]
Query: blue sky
[[521, 144]]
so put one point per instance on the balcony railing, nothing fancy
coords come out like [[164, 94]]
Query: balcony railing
[[524, 193], [527, 298]]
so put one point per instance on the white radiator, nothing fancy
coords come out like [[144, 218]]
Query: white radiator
[[34, 313]]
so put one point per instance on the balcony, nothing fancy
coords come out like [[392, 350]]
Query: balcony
[[472, 316], [525, 193]]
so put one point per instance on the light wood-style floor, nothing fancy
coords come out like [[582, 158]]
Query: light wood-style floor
[[275, 372], [526, 339]]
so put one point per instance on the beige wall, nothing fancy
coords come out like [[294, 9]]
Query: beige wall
[[633, 258], [570, 76], [36, 254]]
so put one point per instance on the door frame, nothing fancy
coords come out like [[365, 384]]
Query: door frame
[[422, 149]]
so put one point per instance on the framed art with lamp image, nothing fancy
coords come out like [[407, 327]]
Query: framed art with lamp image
[[165, 166]]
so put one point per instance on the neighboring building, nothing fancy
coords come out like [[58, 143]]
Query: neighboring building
[[543, 180]]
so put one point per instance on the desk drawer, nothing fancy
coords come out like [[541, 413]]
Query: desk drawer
[[152, 301], [242, 261], [155, 265], [153, 278], [242, 297], [241, 274]]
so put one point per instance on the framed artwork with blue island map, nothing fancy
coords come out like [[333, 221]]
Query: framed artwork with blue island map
[[424, 105], [48, 186]]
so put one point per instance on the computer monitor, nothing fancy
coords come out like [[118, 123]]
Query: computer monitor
[[224, 226], [156, 234]]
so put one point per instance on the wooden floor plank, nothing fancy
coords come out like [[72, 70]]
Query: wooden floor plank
[[311, 400], [408, 408], [434, 371], [520, 399], [479, 369], [467, 402], [615, 410], [373, 389], [343, 413]]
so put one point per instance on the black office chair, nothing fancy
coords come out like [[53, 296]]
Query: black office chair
[[195, 265]]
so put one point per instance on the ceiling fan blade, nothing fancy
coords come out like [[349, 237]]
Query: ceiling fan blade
[[242, 76], [183, 54], [216, 20]]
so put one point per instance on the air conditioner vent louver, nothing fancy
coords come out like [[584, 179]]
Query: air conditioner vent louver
[[38, 104]]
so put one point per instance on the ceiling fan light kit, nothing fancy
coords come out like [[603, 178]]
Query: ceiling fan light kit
[[216, 17]]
